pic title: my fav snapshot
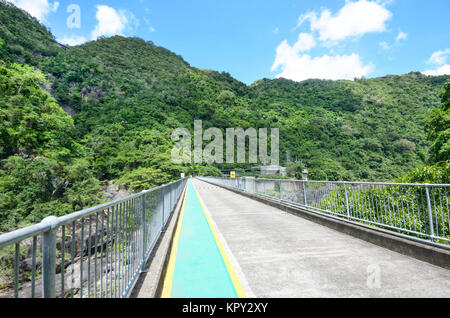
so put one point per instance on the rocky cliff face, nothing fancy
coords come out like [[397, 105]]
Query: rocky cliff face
[[114, 192]]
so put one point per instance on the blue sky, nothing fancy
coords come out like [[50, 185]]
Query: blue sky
[[254, 39]]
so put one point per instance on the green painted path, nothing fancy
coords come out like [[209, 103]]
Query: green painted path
[[197, 266]]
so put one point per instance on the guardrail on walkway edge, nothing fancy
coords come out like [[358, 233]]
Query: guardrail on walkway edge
[[420, 210], [97, 252]]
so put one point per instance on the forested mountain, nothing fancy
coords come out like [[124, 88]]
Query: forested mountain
[[437, 127], [27, 40], [367, 129], [72, 118]]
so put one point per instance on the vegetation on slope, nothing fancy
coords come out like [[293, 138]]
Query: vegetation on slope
[[27, 40], [129, 95], [437, 126], [121, 88], [126, 96], [42, 167], [367, 129]]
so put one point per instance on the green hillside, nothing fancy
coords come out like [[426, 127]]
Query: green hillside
[[22, 38], [75, 117], [367, 129]]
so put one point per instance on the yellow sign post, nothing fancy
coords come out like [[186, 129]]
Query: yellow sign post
[[232, 174]]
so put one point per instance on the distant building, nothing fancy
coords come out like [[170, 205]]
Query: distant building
[[272, 169], [305, 173]]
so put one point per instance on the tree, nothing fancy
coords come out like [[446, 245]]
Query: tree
[[294, 170], [144, 179], [210, 171], [437, 126]]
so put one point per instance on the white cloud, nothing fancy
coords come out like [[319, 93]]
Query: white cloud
[[305, 42], [113, 22], [385, 45], [132, 22], [439, 58], [300, 67], [276, 30], [72, 40], [150, 27], [354, 19], [401, 36], [385, 2], [443, 70], [55, 6], [37, 8]]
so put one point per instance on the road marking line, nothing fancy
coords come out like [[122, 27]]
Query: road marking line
[[235, 280], [168, 280]]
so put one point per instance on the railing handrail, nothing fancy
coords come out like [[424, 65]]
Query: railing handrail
[[347, 182], [36, 229], [133, 225], [423, 211]]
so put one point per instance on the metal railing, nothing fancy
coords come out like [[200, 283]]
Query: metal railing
[[419, 210], [97, 252]]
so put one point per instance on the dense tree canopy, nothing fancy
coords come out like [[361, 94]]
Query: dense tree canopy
[[42, 169], [125, 96], [437, 126], [28, 41]]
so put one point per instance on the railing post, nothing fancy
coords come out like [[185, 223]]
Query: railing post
[[143, 227], [163, 208], [49, 258], [430, 212], [172, 200], [265, 191], [304, 193], [281, 193], [346, 201]]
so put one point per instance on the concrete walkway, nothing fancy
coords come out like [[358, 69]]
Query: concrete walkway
[[198, 265], [276, 254]]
